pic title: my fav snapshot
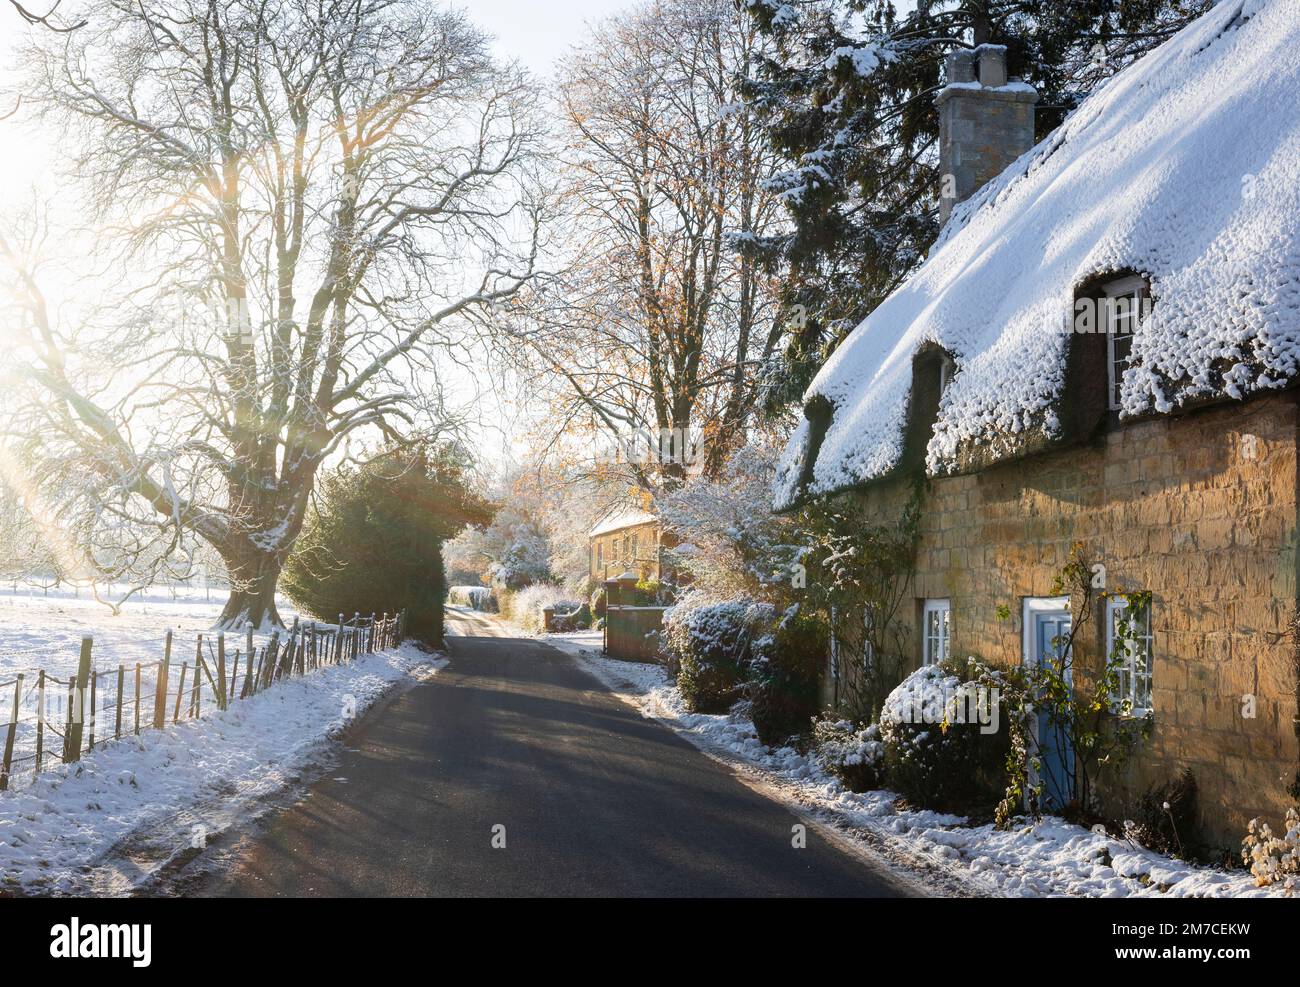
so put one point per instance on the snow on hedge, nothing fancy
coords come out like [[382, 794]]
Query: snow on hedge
[[1184, 167], [699, 626]]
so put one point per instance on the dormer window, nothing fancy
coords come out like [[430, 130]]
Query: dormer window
[[932, 371], [1121, 314]]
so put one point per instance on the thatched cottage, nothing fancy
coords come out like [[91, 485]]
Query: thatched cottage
[[1104, 347]]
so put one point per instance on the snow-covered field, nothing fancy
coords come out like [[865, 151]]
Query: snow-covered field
[[109, 822], [1038, 858], [39, 630]]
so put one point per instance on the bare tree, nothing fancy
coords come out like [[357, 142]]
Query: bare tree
[[49, 19], [658, 323], [308, 200]]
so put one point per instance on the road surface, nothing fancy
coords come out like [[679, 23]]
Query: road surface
[[513, 743]]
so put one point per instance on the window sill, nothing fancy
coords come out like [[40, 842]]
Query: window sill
[[1137, 713]]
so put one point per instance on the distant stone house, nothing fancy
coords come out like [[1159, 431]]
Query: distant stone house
[[1162, 436], [626, 540]]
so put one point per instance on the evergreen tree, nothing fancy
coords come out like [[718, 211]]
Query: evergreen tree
[[848, 101], [373, 541]]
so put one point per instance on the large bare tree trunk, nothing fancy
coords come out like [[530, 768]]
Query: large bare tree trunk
[[253, 578]]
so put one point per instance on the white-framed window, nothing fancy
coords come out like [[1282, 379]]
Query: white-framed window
[[1122, 310], [946, 368], [1129, 646], [935, 620]]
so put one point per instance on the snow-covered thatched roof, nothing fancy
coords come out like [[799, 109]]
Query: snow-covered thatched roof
[[1184, 168], [619, 518]]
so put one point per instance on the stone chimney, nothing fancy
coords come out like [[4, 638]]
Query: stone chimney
[[984, 124]]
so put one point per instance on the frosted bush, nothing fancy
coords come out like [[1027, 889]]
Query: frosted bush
[[525, 607], [935, 751], [853, 754], [713, 643], [1274, 859]]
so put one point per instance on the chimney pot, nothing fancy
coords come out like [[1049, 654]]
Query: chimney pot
[[993, 65], [960, 66]]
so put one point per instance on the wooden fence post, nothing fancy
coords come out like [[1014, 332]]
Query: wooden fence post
[[196, 691], [268, 661], [121, 684], [257, 675], [250, 682], [180, 689], [300, 655], [40, 718], [200, 669], [94, 707], [356, 634], [67, 728], [137, 699], [338, 643], [11, 733], [221, 670], [160, 691], [83, 675], [285, 665]]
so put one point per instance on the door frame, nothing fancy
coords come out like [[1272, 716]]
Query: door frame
[[1031, 608]]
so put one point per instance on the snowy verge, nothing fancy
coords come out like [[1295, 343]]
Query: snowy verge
[[1039, 858], [109, 822]]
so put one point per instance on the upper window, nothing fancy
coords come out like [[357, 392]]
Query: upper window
[[1128, 649], [934, 623], [1121, 315], [600, 556], [946, 368]]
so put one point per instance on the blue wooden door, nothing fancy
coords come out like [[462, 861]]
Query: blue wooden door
[[1055, 751]]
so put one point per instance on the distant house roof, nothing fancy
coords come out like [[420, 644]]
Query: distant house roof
[[619, 518], [1184, 168]]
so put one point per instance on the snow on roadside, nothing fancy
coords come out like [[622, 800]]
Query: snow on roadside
[[1038, 858], [59, 834]]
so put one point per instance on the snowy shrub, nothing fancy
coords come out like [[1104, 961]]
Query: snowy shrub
[[712, 643], [525, 607], [474, 597], [935, 753], [1274, 859], [852, 753], [786, 676]]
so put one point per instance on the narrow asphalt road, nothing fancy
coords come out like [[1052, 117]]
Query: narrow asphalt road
[[594, 800]]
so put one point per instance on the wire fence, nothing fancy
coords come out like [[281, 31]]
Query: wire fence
[[52, 720]]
